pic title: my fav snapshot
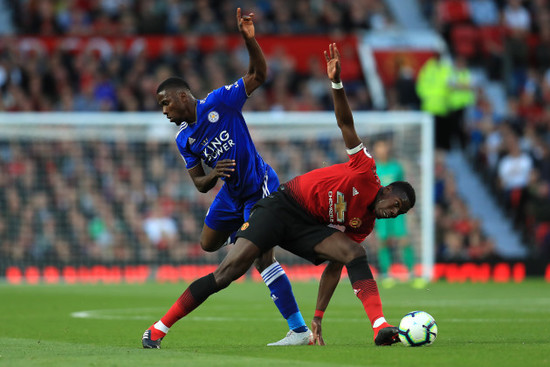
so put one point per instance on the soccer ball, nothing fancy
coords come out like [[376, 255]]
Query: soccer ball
[[417, 328]]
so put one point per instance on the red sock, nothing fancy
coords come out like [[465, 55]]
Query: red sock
[[183, 305], [367, 292], [156, 334], [194, 295]]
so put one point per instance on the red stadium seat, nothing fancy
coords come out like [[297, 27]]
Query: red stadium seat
[[492, 39], [453, 11], [464, 39], [542, 230]]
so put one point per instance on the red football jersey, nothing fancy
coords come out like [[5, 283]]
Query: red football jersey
[[340, 194]]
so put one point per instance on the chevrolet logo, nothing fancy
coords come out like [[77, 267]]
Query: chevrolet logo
[[340, 207]]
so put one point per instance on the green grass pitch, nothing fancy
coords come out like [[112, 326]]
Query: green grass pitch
[[101, 325]]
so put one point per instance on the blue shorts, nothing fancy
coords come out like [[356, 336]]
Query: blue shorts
[[228, 213]]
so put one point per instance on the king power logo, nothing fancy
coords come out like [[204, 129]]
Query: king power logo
[[217, 146]]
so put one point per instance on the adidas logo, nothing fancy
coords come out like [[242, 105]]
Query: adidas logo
[[274, 297], [355, 192], [356, 291], [191, 140]]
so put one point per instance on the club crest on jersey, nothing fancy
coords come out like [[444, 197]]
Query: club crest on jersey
[[355, 223], [244, 226], [213, 116]]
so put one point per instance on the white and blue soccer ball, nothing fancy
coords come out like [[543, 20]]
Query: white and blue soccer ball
[[417, 328]]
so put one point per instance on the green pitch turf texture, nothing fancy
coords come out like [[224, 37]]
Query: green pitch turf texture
[[479, 325]]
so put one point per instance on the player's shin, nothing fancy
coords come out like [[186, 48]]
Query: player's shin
[[194, 295], [366, 290], [281, 292]]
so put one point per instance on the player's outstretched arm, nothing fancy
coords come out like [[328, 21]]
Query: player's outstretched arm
[[204, 182], [257, 67], [327, 285], [342, 110]]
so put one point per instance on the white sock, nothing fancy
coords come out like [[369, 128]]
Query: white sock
[[379, 321], [160, 326]]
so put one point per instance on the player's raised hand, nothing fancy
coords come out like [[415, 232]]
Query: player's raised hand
[[224, 168], [245, 24], [316, 330], [333, 63]]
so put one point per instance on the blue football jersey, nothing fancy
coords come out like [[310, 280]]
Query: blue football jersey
[[220, 132]]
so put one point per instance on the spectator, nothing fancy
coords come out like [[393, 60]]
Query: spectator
[[161, 231], [484, 12], [514, 171], [406, 89], [517, 21], [432, 86], [461, 96]]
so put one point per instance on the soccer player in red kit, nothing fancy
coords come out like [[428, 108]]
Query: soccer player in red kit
[[322, 215]]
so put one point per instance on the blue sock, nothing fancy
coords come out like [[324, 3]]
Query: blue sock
[[281, 293]]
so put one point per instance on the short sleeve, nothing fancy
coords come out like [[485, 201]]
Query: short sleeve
[[232, 95], [190, 159], [360, 159]]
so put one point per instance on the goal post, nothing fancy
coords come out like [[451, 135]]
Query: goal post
[[86, 171]]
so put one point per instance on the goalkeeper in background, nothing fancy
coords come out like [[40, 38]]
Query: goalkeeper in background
[[393, 242]]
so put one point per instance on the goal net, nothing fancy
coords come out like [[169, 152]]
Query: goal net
[[111, 188]]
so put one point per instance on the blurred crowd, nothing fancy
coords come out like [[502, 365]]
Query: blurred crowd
[[508, 41], [134, 201], [98, 201], [132, 17], [120, 81]]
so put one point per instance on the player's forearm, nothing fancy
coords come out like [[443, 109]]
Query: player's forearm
[[327, 285], [257, 65], [205, 183], [342, 109]]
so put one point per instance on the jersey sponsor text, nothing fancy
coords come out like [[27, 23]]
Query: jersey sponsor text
[[219, 145]]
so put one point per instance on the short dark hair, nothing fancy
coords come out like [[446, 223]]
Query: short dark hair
[[407, 189], [173, 82]]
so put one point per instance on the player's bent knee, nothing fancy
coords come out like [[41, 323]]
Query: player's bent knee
[[264, 261], [223, 281], [228, 272], [224, 278], [209, 247], [354, 253]]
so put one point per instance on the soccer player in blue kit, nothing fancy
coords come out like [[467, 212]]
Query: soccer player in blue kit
[[213, 131]]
